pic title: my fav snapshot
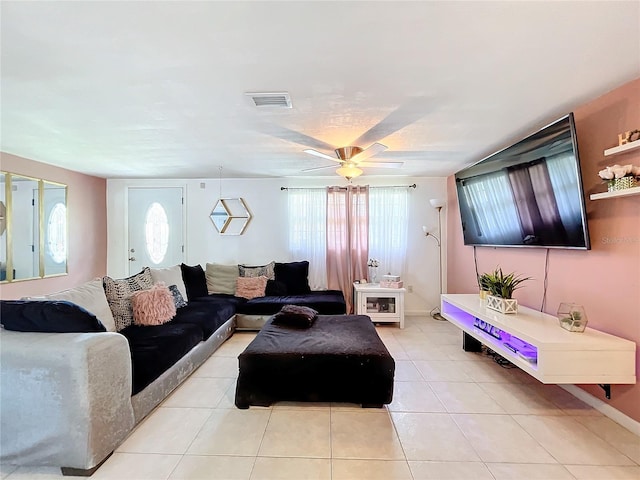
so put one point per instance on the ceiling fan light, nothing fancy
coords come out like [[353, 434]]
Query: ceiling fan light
[[349, 171]]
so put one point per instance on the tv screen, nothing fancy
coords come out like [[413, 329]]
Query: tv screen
[[527, 195]]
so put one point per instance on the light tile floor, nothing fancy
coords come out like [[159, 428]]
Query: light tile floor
[[455, 415]]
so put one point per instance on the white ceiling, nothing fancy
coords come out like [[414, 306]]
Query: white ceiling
[[156, 89]]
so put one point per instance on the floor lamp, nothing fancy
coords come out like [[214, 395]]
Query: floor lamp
[[437, 203]]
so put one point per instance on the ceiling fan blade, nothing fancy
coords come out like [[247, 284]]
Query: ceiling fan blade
[[291, 135], [319, 168], [370, 151], [311, 151], [412, 110], [381, 164]]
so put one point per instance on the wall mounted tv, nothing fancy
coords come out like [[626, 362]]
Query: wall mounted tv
[[527, 195]]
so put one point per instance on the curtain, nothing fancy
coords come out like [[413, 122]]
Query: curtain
[[536, 204], [388, 224], [347, 238], [308, 232], [562, 173], [491, 203]]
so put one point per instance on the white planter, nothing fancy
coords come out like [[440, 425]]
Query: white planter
[[502, 305]]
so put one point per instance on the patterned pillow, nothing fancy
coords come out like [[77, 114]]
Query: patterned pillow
[[178, 299], [119, 293], [154, 306], [250, 287], [267, 270]]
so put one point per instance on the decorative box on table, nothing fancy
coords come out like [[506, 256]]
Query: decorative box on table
[[391, 281]]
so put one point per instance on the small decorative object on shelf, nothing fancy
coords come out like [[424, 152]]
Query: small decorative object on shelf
[[501, 288], [373, 265], [572, 317], [391, 281], [502, 305], [628, 137], [620, 177]]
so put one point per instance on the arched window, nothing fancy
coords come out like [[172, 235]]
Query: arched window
[[156, 230], [57, 233]]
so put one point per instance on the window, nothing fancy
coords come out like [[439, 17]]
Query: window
[[308, 231], [156, 231], [388, 224], [57, 233]]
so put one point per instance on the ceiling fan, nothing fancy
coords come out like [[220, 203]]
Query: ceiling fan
[[351, 158]]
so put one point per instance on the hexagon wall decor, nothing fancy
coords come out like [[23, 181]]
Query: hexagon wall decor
[[230, 216]]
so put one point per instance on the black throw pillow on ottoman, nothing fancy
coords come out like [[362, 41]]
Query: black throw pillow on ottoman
[[195, 281], [295, 316], [50, 316], [295, 275]]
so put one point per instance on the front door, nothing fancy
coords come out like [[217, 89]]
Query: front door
[[155, 228]]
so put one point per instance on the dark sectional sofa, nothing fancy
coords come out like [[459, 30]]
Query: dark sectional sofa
[[155, 349], [69, 399]]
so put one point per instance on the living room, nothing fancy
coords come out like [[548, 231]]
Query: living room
[[42, 139]]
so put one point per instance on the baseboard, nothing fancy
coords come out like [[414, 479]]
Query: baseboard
[[604, 408]]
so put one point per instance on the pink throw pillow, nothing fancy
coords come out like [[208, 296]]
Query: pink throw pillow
[[251, 287], [154, 306]]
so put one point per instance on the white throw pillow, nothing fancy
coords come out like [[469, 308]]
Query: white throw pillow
[[89, 296], [170, 276]]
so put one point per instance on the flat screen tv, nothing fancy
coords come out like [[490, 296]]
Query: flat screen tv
[[527, 195]]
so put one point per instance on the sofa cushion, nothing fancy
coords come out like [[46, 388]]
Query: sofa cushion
[[194, 280], [170, 276], [208, 313], [326, 302], [157, 348], [50, 316], [295, 316], [91, 297], [153, 306], [295, 275], [119, 293], [251, 287], [267, 270], [222, 278]]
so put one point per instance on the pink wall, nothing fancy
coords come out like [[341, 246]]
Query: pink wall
[[87, 215], [605, 279]]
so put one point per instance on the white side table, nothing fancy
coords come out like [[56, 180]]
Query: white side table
[[383, 305]]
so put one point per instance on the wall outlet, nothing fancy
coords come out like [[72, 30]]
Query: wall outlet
[[410, 288]]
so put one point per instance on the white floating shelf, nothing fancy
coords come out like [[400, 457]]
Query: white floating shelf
[[560, 356], [627, 192], [622, 148]]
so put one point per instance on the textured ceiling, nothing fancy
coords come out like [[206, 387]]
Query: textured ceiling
[[156, 89]]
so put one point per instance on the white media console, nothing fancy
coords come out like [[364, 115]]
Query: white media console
[[535, 342]]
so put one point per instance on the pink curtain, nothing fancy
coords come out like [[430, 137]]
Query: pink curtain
[[536, 203], [347, 238]]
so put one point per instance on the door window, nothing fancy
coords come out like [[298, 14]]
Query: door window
[[156, 233]]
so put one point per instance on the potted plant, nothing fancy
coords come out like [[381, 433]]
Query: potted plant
[[501, 288], [483, 285], [620, 177]]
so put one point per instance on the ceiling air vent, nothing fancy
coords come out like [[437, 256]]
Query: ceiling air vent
[[270, 99]]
